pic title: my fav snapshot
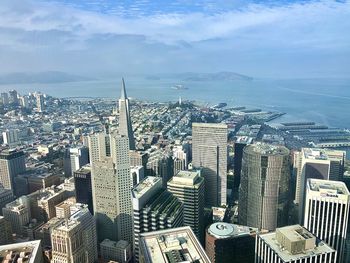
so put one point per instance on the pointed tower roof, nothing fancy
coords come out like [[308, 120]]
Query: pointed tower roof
[[123, 95]]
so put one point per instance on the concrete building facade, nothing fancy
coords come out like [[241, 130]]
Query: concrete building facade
[[188, 187], [209, 151]]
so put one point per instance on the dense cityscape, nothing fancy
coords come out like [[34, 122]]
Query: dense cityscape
[[121, 180]]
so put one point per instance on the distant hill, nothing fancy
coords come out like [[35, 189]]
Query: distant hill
[[224, 75], [40, 77]]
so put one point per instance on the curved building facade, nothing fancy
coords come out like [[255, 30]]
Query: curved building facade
[[225, 243], [264, 189]]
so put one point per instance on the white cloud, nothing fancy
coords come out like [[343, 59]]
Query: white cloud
[[27, 26]]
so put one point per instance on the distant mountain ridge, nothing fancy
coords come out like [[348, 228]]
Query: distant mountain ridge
[[223, 75], [40, 77]]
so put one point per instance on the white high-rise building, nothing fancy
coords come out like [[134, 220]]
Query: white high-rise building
[[111, 183], [316, 163], [40, 105], [11, 137], [292, 244], [209, 146], [99, 146], [326, 212], [79, 156], [5, 98], [24, 101]]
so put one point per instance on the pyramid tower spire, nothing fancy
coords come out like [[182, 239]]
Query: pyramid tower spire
[[125, 124], [123, 95]]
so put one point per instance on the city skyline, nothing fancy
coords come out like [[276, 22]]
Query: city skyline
[[174, 131]]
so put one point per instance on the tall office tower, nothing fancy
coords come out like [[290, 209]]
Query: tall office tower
[[315, 163], [74, 240], [18, 214], [226, 243], [13, 97], [125, 125], [5, 231], [264, 189], [6, 196], [327, 212], [79, 156], [171, 245], [11, 137], [40, 105], [188, 187], [12, 163], [240, 143], [154, 209], [24, 102], [99, 146], [83, 186], [292, 244], [209, 147], [5, 98], [160, 164], [116, 251], [111, 189]]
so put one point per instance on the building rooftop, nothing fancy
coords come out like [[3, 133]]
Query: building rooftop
[[121, 244], [49, 224], [16, 205], [74, 219], [172, 245], [244, 139], [327, 188], [322, 154], [185, 177], [210, 125], [295, 233], [146, 184], [27, 251], [47, 193], [226, 230], [267, 149], [10, 154], [84, 170]]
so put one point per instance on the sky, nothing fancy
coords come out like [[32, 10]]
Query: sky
[[272, 39]]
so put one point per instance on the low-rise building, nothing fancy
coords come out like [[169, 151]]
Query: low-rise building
[[115, 251], [171, 245]]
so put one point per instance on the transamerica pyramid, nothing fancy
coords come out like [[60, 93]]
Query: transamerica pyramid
[[125, 125]]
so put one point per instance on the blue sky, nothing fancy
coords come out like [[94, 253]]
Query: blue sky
[[101, 37]]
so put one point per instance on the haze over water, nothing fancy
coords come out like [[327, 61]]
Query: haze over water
[[325, 101]]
